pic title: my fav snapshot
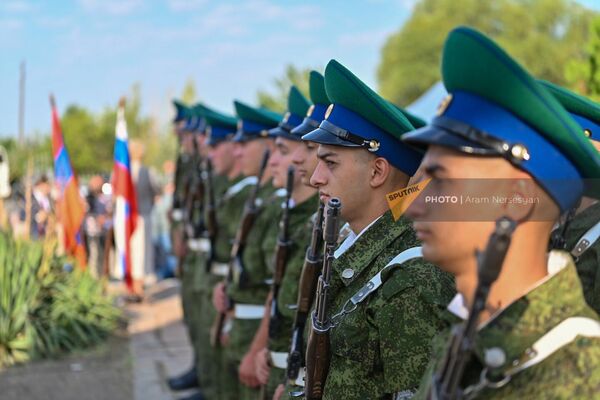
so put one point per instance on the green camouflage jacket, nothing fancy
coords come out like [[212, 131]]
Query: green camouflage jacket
[[300, 229], [572, 372], [587, 264], [383, 347], [255, 257]]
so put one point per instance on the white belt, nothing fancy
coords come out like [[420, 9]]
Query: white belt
[[201, 244], [279, 359], [177, 214], [219, 269], [300, 379], [249, 311]]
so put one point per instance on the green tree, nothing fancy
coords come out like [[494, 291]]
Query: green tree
[[584, 75], [544, 35], [277, 101]]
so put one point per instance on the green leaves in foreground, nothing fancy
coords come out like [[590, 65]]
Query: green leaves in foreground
[[45, 310]]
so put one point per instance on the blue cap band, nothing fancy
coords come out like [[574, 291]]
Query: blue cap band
[[401, 156], [553, 171]]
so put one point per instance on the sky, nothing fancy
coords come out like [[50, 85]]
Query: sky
[[90, 52]]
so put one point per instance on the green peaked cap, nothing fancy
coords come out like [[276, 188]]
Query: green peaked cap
[[475, 64], [182, 111], [585, 111], [415, 121], [297, 103], [297, 108], [254, 122], [221, 127], [259, 115], [216, 118], [358, 117], [344, 88], [316, 83], [496, 108]]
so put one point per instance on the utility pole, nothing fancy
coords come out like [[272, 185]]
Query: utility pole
[[22, 104]]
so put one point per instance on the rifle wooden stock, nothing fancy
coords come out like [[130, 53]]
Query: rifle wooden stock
[[318, 348], [281, 256], [210, 212], [306, 294], [235, 262]]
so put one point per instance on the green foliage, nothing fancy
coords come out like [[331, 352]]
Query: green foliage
[[278, 101], [38, 148], [45, 310], [544, 35], [584, 75]]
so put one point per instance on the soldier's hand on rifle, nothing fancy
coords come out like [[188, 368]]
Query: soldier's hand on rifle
[[279, 392], [247, 371], [262, 366], [219, 298]]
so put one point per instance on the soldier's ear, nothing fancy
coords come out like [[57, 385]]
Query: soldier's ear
[[380, 170]]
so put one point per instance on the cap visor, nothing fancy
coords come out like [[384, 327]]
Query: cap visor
[[322, 136], [303, 129], [434, 135]]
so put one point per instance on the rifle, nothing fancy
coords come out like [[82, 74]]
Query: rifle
[[281, 256], [236, 267], [306, 294], [194, 196], [446, 381], [318, 347], [210, 214]]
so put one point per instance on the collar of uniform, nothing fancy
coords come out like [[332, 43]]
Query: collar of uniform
[[518, 326], [369, 245], [351, 237]]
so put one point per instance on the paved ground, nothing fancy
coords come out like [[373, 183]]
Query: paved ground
[[130, 366]]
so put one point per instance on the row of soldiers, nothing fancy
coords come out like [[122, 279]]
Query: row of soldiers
[[444, 301]]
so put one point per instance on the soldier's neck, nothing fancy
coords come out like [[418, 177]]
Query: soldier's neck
[[367, 214], [585, 203], [526, 263], [234, 172]]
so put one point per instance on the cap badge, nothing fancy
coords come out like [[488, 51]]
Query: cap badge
[[519, 152], [444, 105], [329, 110], [374, 145], [310, 110], [587, 133]]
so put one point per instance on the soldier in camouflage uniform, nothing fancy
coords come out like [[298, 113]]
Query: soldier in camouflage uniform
[[381, 347], [303, 203], [184, 169], [582, 232], [536, 338], [248, 300], [220, 131]]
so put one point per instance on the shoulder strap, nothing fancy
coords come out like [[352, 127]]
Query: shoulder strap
[[587, 240], [375, 282], [558, 337], [235, 189]]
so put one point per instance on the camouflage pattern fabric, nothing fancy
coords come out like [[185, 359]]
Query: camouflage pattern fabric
[[300, 228], [383, 347], [568, 373], [589, 262]]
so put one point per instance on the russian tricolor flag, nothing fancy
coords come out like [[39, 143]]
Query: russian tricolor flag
[[70, 207], [125, 213]]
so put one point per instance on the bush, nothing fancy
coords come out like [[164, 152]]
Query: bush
[[45, 309]]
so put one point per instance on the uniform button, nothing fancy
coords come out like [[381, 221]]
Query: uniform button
[[495, 357], [347, 273]]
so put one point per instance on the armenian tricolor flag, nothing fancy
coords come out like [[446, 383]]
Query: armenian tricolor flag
[[70, 206]]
